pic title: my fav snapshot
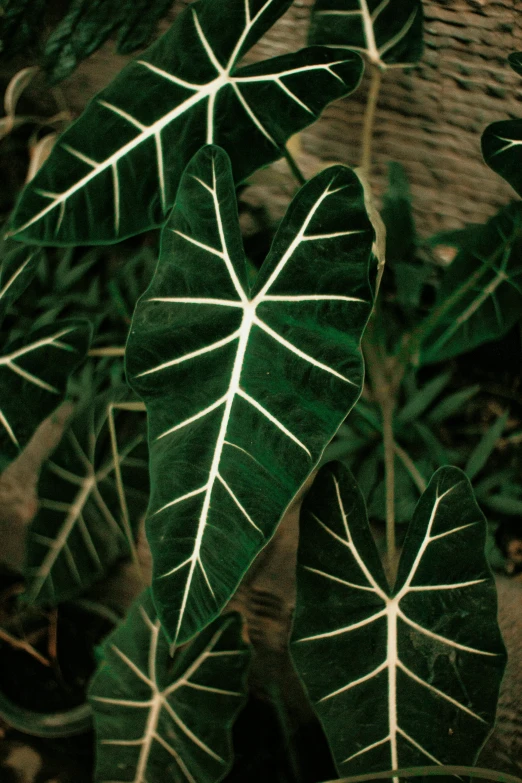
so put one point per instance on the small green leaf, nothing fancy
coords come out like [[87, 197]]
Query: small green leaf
[[505, 504], [452, 404], [480, 297], [389, 33], [244, 388], [20, 25], [436, 450], [423, 398], [484, 449], [79, 531], [89, 23], [17, 268], [404, 676], [115, 172], [33, 378], [161, 718]]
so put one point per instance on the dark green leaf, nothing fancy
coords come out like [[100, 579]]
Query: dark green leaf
[[244, 388], [17, 267], [423, 398], [159, 718], [502, 141], [79, 530], [20, 25], [405, 676], [33, 377], [451, 404], [502, 150], [115, 171], [480, 297], [388, 32], [505, 504], [515, 61], [436, 450], [89, 23], [482, 452]]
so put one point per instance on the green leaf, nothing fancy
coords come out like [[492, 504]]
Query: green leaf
[[515, 61], [502, 150], [502, 142], [158, 717], [452, 404], [482, 452], [115, 171], [388, 32], [405, 676], [17, 267], [33, 377], [79, 530], [20, 25], [505, 504], [423, 398], [480, 297], [89, 23], [244, 388]]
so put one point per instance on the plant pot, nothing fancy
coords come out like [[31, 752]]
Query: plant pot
[[49, 701]]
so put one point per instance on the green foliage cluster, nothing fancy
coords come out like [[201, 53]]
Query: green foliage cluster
[[252, 382]]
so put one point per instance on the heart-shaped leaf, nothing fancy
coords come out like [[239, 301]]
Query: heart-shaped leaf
[[387, 32], [480, 297], [407, 676], [502, 142], [33, 376], [244, 388], [80, 529], [115, 172], [17, 267], [159, 718]]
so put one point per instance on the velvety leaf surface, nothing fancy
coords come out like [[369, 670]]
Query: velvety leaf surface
[[480, 297], [244, 388], [502, 142], [115, 171], [33, 377], [78, 531], [17, 267], [401, 677], [89, 23], [388, 32], [159, 718]]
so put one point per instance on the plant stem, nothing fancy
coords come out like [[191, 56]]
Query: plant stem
[[411, 467], [292, 165], [369, 119], [23, 645], [111, 351]]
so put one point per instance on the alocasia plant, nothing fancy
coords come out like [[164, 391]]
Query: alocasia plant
[[118, 167], [246, 376], [426, 657], [156, 710], [244, 385]]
